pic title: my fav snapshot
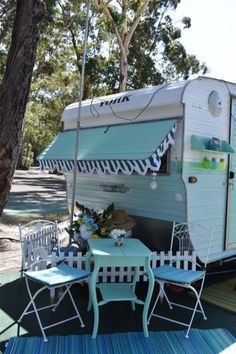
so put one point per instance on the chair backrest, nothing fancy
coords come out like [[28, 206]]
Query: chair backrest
[[180, 238], [188, 236], [37, 237]]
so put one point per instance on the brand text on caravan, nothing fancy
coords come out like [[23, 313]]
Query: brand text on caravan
[[116, 100]]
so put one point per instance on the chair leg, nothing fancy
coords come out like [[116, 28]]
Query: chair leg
[[153, 308], [68, 286], [31, 302], [192, 309], [161, 293], [76, 309], [53, 306], [166, 297], [198, 302]]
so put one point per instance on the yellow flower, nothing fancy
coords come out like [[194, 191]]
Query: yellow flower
[[95, 236], [103, 230], [89, 227]]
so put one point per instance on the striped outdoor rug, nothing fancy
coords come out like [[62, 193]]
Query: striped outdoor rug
[[222, 294], [200, 342]]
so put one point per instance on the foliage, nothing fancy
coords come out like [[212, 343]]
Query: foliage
[[28, 156], [90, 223], [155, 56], [124, 23], [155, 53], [7, 15]]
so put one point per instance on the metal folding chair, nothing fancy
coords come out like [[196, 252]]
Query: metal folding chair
[[61, 276], [185, 278], [38, 238]]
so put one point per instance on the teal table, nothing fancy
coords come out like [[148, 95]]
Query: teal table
[[133, 253]]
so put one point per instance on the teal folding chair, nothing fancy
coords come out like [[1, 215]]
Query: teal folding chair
[[61, 276], [185, 278]]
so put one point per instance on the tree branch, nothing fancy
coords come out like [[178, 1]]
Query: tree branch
[[107, 13], [158, 26], [75, 47], [136, 21]]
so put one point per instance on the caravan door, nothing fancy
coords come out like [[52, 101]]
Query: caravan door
[[231, 212]]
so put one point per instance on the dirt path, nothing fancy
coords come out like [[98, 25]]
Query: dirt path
[[10, 251], [34, 195]]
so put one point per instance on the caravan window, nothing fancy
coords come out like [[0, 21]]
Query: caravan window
[[165, 164]]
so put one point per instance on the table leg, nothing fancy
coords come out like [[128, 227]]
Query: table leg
[[134, 281], [88, 268], [93, 300], [148, 297]]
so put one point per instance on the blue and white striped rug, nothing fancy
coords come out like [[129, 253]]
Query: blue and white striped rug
[[200, 342]]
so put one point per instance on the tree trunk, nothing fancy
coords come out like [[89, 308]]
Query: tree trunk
[[123, 33], [123, 71], [15, 88]]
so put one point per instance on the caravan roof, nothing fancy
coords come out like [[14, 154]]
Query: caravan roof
[[149, 103]]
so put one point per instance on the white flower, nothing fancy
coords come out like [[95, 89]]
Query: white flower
[[117, 233]]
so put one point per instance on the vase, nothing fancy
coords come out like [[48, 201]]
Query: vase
[[118, 241], [81, 242], [83, 245]]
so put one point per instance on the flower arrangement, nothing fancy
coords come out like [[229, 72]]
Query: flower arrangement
[[117, 233], [89, 223]]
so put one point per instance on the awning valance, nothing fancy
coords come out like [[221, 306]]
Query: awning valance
[[123, 149]]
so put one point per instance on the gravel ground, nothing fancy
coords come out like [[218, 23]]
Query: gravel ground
[[47, 192], [10, 251]]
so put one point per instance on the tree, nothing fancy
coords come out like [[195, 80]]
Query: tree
[[7, 15], [15, 87], [155, 56], [161, 57], [150, 50], [124, 28], [56, 75]]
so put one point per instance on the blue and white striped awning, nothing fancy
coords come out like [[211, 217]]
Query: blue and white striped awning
[[125, 149]]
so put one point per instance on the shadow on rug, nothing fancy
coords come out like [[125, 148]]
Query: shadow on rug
[[222, 295], [201, 342]]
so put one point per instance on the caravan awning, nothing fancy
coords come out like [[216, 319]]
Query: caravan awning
[[123, 149]]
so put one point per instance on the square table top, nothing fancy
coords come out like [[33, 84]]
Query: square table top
[[131, 248]]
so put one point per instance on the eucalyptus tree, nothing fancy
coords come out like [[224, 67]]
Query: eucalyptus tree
[[124, 23], [56, 75], [155, 55], [131, 43], [15, 87], [7, 15], [161, 57], [150, 51]]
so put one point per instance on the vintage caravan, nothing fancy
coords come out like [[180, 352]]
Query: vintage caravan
[[163, 154]]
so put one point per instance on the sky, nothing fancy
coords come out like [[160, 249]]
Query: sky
[[212, 34]]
